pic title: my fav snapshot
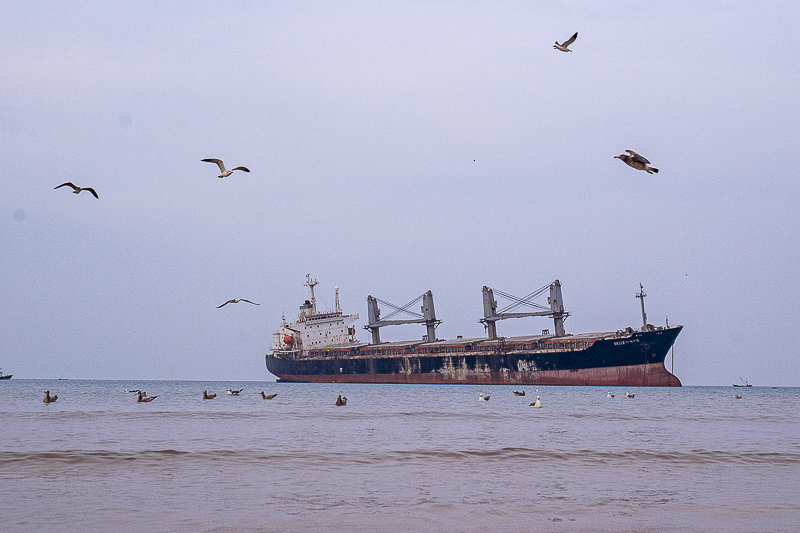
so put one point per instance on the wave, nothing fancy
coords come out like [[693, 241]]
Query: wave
[[584, 456]]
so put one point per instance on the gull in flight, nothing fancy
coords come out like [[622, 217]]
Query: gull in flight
[[236, 301], [77, 189], [636, 161], [564, 47], [225, 172]]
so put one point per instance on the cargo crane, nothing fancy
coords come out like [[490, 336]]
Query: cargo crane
[[556, 310], [428, 316]]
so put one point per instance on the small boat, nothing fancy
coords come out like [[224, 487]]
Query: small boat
[[744, 383], [5, 376]]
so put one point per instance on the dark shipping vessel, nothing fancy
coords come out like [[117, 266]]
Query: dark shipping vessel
[[322, 348]]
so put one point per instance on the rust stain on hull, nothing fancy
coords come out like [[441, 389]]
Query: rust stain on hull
[[645, 375]]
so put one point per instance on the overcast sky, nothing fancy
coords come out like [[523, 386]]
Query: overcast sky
[[395, 147]]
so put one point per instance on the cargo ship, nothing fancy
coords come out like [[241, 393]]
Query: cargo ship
[[321, 347]]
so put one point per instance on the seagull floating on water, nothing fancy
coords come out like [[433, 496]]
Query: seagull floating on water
[[234, 392], [737, 396], [519, 393], [609, 395], [629, 395], [143, 397], [564, 47], [207, 396], [636, 161], [236, 301], [341, 400], [225, 172], [77, 190], [537, 403], [482, 398], [267, 396], [48, 398]]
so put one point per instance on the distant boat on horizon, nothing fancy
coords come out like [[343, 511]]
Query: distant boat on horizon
[[744, 383], [5, 376]]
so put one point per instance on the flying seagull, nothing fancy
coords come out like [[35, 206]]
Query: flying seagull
[[225, 171], [236, 301], [564, 47], [77, 189], [636, 161]]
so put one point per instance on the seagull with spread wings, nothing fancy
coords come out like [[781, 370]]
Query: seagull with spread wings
[[225, 172], [77, 189], [636, 161], [564, 47], [236, 301]]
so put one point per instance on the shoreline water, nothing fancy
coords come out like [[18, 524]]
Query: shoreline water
[[421, 457]]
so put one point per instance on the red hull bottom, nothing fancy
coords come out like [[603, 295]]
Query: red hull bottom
[[647, 375]]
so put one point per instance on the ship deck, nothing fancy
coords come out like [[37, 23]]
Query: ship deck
[[461, 345]]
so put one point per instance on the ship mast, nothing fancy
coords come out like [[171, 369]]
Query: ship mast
[[311, 283], [641, 296]]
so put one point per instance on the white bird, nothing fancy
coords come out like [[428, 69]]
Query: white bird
[[234, 392], [629, 395], [236, 301], [482, 398], [225, 172], [537, 403], [77, 189], [636, 161], [609, 395], [564, 47]]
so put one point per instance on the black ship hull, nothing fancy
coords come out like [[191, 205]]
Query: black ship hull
[[633, 360]]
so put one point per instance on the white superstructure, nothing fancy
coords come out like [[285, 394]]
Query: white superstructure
[[314, 330]]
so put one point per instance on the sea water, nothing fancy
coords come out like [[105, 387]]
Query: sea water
[[396, 458]]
